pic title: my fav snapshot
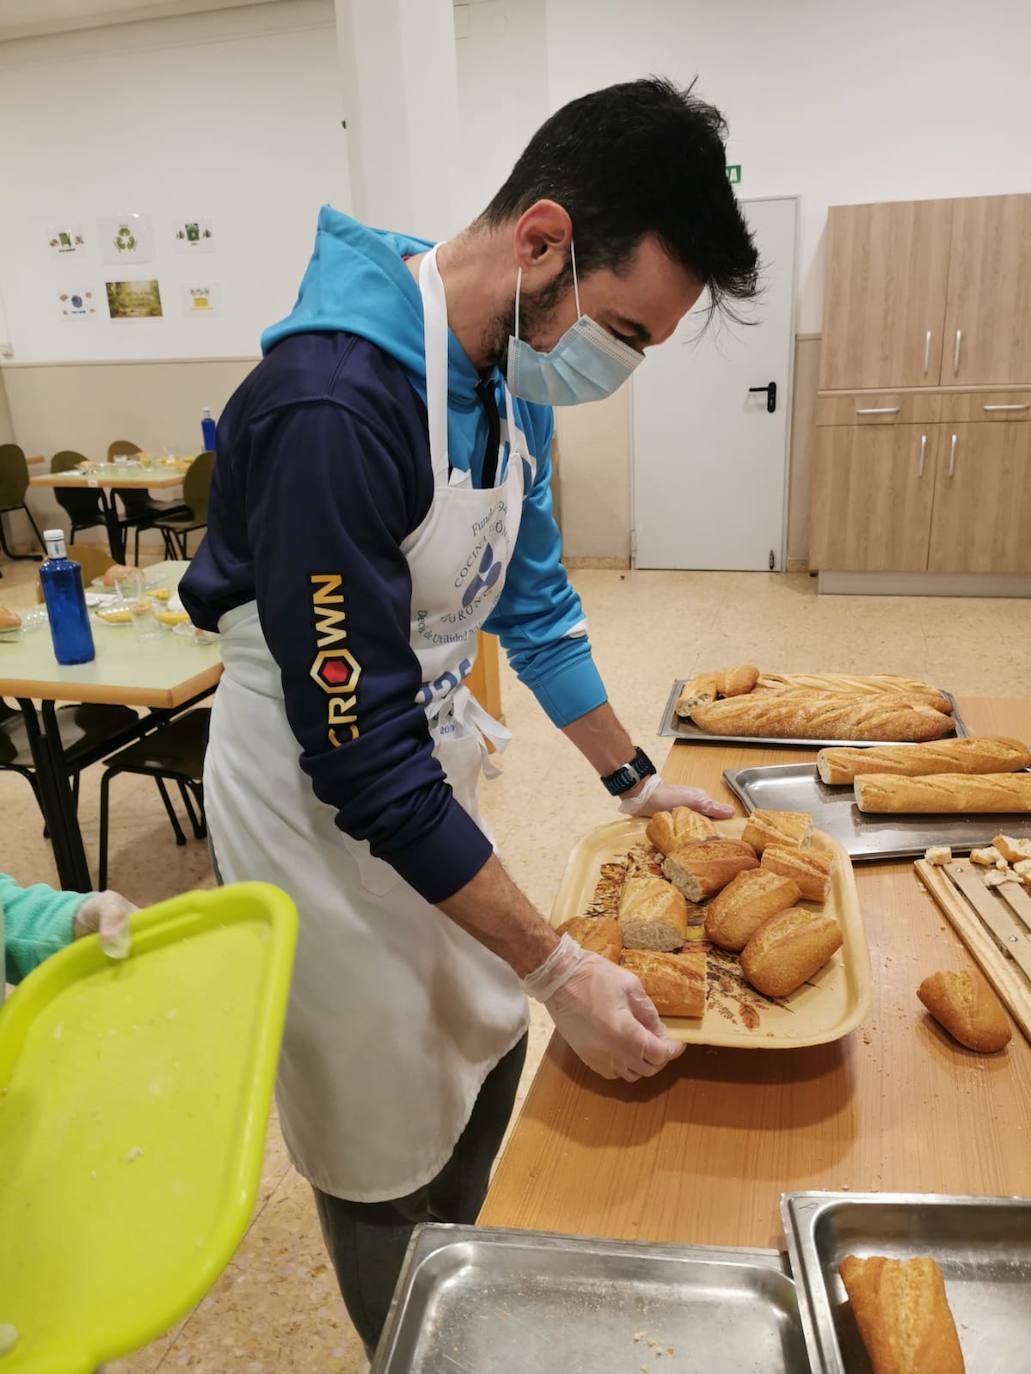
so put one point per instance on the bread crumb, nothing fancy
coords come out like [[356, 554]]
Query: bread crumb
[[9, 1338], [58, 1030], [133, 1155], [987, 858], [993, 878], [938, 854]]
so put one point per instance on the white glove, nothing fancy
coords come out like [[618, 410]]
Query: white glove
[[602, 1013], [656, 795], [106, 914]]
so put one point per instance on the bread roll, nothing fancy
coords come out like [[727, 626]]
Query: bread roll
[[736, 682], [115, 571], [706, 866], [791, 828], [674, 982], [966, 1005], [878, 684], [903, 1315], [733, 917], [652, 915], [669, 830], [600, 934], [809, 868], [788, 949], [838, 766], [695, 693], [823, 715], [9, 620], [1013, 850], [948, 793]]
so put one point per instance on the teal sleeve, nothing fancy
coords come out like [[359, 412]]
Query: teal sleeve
[[37, 922]]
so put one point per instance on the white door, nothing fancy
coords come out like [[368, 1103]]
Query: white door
[[709, 450]]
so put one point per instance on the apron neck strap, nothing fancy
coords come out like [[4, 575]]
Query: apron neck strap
[[435, 343]]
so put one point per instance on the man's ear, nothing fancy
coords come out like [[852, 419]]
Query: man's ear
[[541, 237]]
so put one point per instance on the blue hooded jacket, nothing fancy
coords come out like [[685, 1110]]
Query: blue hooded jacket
[[324, 467]]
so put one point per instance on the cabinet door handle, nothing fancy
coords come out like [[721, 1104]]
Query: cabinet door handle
[[1026, 405], [955, 352], [878, 410], [952, 455], [923, 455], [927, 352]]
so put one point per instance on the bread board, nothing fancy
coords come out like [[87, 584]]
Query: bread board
[[672, 727], [830, 1006]]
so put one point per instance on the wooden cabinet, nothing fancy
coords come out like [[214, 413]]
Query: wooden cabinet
[[988, 319], [485, 679], [982, 499]]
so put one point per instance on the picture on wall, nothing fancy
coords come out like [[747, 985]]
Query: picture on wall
[[194, 235], [133, 300], [126, 238], [201, 299], [63, 240], [77, 302]]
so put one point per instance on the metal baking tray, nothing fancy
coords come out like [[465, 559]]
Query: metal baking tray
[[672, 727], [797, 787], [981, 1244], [472, 1301]]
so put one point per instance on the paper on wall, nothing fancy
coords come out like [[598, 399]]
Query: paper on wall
[[77, 302], [126, 238], [194, 235], [62, 239], [202, 299]]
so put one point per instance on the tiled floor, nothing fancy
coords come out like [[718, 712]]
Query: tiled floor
[[276, 1309]]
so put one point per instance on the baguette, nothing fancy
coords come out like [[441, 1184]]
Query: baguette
[[1015, 851], [788, 949], [652, 915], [837, 767], [704, 867], [948, 793], [696, 693], [669, 830], [823, 715], [733, 917], [736, 682], [854, 685], [966, 1005], [903, 1315], [809, 868], [599, 934], [9, 620], [674, 982], [791, 828]]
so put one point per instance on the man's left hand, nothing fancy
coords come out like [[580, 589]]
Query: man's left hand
[[655, 795]]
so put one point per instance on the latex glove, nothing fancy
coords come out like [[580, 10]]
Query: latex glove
[[602, 1012], [106, 914], [656, 795]]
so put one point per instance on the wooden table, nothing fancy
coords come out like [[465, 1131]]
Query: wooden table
[[702, 1153], [166, 675], [104, 478]]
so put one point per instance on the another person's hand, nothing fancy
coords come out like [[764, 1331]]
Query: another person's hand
[[656, 795], [602, 1012], [106, 914]]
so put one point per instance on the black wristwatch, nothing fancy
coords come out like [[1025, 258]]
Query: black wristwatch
[[639, 767]]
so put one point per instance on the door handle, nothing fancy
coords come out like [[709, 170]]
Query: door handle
[[955, 352], [927, 352], [878, 410], [1025, 406], [952, 454], [771, 395]]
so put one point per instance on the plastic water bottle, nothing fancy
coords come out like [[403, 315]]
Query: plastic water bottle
[[207, 426], [66, 603]]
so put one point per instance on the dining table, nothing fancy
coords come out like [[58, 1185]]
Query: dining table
[[152, 475]]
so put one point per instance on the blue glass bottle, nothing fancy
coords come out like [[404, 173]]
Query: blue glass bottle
[[207, 428], [66, 603]]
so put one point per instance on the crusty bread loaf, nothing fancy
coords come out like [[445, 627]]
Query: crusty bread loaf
[[115, 571], [9, 620], [1013, 850], [853, 685], [669, 830], [966, 1005], [652, 915], [791, 828], [697, 692], [674, 982], [823, 715], [788, 949], [809, 868], [733, 917], [947, 793], [903, 1315], [600, 934], [838, 766], [706, 866], [735, 682]]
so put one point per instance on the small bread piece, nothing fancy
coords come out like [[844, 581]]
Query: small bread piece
[[1013, 850], [791, 828], [945, 793], [903, 1315], [809, 868], [995, 877], [966, 1005], [788, 949], [938, 854], [697, 692], [823, 715], [738, 681], [987, 858], [674, 982], [706, 866], [652, 915], [1022, 868], [9, 620], [669, 830], [732, 918], [599, 934], [114, 572], [839, 766]]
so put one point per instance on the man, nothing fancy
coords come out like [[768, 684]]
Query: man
[[382, 492]]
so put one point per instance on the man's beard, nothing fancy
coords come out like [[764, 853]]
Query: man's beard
[[535, 311]]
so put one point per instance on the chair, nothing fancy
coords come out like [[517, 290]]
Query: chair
[[196, 493], [93, 562], [174, 751], [83, 507], [14, 483], [141, 510]]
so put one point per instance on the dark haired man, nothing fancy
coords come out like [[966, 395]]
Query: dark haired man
[[381, 494]]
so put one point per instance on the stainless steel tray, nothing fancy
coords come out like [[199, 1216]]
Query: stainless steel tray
[[981, 1244], [672, 727], [473, 1301], [797, 787]]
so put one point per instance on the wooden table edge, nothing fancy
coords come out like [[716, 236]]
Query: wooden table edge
[[163, 698], [60, 479]]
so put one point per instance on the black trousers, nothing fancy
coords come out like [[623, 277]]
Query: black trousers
[[367, 1240]]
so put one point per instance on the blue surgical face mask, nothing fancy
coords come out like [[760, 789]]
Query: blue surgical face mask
[[586, 364]]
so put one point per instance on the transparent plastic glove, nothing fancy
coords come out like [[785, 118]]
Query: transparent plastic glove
[[602, 1013], [656, 795], [106, 914]]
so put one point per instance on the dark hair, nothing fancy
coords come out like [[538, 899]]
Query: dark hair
[[636, 159]]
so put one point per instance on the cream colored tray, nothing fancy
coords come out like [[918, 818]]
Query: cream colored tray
[[827, 1008]]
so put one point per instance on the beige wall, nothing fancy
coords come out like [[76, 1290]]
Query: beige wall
[[6, 428]]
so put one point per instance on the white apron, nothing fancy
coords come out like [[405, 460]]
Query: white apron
[[396, 1016]]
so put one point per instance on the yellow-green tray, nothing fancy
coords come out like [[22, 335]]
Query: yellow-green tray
[[134, 1098]]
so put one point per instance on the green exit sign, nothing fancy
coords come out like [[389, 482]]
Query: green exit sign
[[734, 173]]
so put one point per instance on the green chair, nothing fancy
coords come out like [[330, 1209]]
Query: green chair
[[14, 483], [196, 493], [82, 507], [141, 510]]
